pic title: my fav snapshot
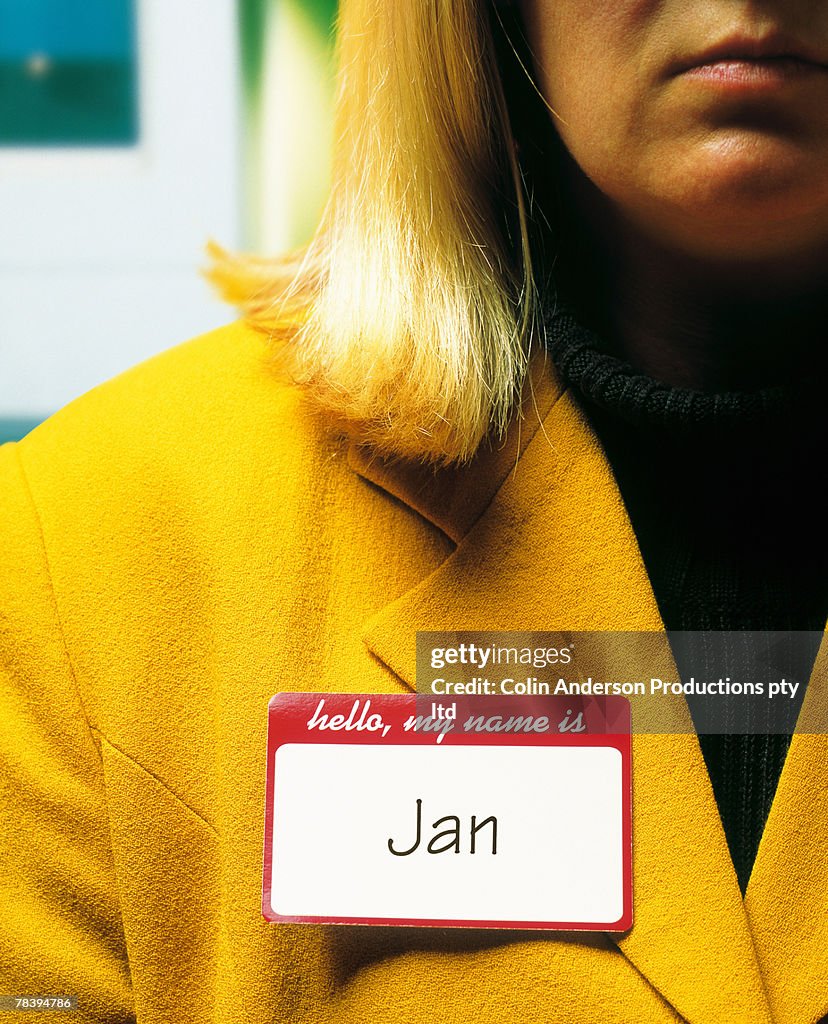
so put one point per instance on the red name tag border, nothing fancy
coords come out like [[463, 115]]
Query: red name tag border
[[289, 713]]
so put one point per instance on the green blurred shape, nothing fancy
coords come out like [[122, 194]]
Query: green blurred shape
[[323, 13], [252, 30], [253, 21]]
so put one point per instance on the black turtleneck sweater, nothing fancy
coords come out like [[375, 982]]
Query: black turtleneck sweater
[[720, 490]]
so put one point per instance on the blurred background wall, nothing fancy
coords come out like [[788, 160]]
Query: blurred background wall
[[131, 132]]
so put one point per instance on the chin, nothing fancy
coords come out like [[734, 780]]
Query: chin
[[747, 200]]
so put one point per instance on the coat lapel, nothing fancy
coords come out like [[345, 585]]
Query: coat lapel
[[787, 898], [544, 543]]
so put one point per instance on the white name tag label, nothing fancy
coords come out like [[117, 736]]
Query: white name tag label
[[479, 812]]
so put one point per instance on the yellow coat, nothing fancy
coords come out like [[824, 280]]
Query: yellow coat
[[188, 539]]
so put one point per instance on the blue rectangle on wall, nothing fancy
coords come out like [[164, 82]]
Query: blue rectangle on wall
[[68, 73]]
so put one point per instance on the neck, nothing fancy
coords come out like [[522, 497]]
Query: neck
[[711, 330], [688, 322]]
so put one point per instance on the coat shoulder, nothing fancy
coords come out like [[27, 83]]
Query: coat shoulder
[[196, 456], [211, 401]]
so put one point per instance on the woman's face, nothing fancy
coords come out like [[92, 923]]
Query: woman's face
[[704, 122]]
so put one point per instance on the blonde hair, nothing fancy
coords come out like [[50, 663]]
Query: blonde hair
[[409, 315]]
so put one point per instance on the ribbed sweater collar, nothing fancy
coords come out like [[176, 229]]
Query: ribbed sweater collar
[[612, 384]]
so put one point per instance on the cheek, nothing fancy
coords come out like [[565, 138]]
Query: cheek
[[600, 122], [591, 70]]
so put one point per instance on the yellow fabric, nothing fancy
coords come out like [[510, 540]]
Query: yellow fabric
[[188, 539]]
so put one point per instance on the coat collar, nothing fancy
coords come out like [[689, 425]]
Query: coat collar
[[787, 898], [543, 542], [453, 500]]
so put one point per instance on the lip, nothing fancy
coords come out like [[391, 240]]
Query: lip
[[743, 56]]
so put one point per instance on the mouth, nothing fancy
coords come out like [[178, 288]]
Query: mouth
[[746, 59]]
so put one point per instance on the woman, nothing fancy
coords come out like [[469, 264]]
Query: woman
[[195, 536]]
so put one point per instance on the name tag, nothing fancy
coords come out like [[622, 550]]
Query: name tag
[[479, 812]]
